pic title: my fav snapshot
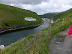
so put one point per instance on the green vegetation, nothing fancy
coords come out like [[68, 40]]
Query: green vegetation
[[65, 14], [60, 15], [48, 15], [38, 43], [14, 17]]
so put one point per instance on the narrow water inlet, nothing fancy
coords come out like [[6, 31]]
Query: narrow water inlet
[[11, 37]]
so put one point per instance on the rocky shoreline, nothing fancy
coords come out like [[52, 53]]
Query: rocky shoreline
[[10, 29]]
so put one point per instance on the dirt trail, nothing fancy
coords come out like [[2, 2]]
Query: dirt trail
[[61, 44]]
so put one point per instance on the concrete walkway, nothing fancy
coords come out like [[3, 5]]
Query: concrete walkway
[[61, 44]]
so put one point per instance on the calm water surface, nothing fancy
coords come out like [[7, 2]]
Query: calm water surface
[[11, 37]]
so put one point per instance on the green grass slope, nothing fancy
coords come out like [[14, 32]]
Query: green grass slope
[[14, 17], [59, 15], [48, 15], [65, 14]]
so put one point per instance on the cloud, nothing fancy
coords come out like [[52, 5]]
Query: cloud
[[23, 1], [5, 1], [50, 6], [41, 6]]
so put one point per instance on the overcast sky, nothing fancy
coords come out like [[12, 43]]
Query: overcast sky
[[41, 6]]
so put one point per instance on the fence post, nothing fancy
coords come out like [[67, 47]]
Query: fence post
[[63, 22], [49, 27]]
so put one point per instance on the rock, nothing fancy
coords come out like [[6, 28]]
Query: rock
[[57, 42]]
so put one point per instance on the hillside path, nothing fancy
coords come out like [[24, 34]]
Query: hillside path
[[61, 44]]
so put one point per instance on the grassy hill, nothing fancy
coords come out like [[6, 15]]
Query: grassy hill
[[65, 14], [48, 15], [59, 15], [14, 17], [39, 43]]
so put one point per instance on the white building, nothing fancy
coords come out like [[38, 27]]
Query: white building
[[30, 19], [45, 19], [57, 20], [1, 47]]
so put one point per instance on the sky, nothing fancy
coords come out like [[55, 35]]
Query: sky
[[40, 6]]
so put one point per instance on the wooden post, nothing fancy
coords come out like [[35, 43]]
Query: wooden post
[[50, 27], [63, 22]]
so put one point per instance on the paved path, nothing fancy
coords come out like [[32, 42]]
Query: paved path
[[61, 44]]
